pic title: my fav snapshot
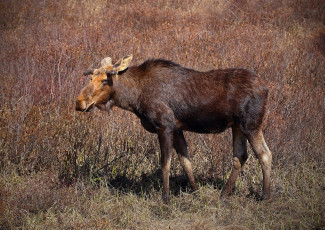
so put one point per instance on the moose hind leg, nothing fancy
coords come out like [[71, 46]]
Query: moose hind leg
[[240, 157], [264, 156], [181, 149]]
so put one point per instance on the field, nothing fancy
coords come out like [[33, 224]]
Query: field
[[61, 169]]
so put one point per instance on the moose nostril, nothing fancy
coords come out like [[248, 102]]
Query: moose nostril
[[80, 105], [79, 109]]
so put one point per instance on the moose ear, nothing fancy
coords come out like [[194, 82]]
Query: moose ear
[[106, 62], [124, 63]]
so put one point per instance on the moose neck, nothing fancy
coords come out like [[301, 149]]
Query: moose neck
[[126, 92]]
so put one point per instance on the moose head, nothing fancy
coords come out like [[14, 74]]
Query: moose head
[[100, 89]]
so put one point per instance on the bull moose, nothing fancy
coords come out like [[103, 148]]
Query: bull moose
[[169, 98]]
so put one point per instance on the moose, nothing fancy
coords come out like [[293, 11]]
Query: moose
[[169, 99]]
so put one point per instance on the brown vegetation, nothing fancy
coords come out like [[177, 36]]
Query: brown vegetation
[[63, 170]]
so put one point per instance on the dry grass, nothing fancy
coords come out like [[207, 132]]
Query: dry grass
[[64, 170]]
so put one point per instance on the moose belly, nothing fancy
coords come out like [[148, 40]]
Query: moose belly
[[206, 124]]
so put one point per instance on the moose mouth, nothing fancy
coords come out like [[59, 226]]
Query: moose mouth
[[83, 107], [89, 107]]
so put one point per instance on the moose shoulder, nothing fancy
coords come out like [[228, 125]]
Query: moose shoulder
[[169, 98]]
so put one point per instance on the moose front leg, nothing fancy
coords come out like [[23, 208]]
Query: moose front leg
[[165, 140]]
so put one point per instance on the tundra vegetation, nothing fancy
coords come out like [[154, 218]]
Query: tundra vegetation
[[64, 170]]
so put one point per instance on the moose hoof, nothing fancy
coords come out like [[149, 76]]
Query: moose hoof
[[225, 193], [267, 198], [165, 198]]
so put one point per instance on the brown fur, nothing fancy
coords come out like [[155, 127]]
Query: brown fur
[[169, 98]]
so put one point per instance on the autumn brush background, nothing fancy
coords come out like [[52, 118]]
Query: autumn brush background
[[61, 169]]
